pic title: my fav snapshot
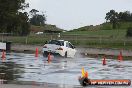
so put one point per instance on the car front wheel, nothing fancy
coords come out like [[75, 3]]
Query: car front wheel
[[65, 54]]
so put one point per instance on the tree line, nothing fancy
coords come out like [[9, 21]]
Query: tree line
[[14, 20], [116, 17], [37, 19]]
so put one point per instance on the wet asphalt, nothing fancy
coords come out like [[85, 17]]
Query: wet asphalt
[[26, 69]]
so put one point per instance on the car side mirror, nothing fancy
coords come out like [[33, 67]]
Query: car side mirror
[[46, 42]]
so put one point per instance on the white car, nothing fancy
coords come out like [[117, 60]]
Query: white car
[[59, 47]]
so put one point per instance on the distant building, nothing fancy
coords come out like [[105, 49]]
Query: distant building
[[39, 33]]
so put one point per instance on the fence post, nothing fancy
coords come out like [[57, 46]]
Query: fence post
[[124, 43], [2, 37], [100, 39], [26, 39]]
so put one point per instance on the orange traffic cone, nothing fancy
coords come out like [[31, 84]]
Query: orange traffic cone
[[86, 74], [36, 53], [120, 57], [3, 54], [49, 58], [104, 60]]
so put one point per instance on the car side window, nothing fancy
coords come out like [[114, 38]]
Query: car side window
[[71, 46], [58, 43], [67, 44], [61, 43]]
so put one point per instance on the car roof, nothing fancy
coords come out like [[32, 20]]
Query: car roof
[[63, 40], [60, 40]]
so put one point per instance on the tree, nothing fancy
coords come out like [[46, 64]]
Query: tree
[[23, 24], [129, 32], [37, 19], [9, 15], [125, 16], [112, 17], [33, 12]]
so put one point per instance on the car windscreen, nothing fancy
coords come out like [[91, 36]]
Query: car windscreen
[[61, 43]]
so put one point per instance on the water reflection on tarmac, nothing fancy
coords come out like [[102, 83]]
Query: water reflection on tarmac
[[28, 69]]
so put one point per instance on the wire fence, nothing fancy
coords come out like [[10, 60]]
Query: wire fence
[[76, 39]]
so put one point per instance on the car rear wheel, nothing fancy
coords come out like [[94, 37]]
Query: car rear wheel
[[45, 54]]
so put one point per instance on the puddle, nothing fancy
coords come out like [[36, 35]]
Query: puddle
[[20, 67]]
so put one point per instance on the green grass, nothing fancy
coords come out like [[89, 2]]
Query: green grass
[[98, 38], [26, 40], [99, 33], [115, 38]]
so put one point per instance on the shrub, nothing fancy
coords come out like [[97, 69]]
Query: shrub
[[129, 32]]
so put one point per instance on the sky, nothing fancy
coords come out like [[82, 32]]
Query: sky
[[72, 14]]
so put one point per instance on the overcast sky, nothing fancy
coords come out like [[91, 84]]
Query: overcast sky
[[70, 14]]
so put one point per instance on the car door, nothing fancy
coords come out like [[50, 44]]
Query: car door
[[70, 49]]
